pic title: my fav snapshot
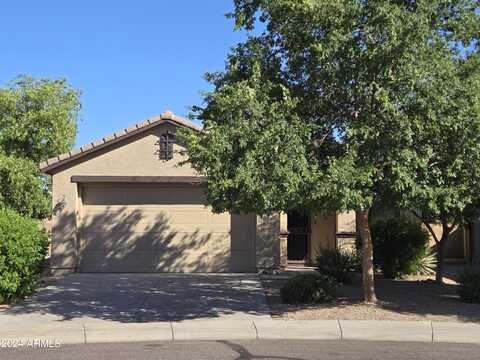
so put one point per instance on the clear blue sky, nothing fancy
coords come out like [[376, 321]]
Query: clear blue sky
[[131, 59]]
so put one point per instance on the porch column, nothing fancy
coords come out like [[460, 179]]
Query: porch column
[[267, 244], [283, 240]]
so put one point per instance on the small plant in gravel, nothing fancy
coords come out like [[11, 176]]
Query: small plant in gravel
[[469, 289], [308, 288], [337, 263], [425, 263]]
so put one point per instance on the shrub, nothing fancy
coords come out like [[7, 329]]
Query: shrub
[[469, 289], [337, 263], [425, 263], [308, 288], [23, 246], [397, 242]]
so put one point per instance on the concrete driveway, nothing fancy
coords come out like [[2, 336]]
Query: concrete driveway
[[133, 298]]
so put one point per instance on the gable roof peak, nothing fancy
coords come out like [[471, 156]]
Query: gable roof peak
[[166, 117]]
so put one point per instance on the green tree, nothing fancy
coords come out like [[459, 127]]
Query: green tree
[[23, 187], [321, 109], [446, 182], [38, 118]]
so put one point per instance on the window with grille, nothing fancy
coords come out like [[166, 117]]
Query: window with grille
[[166, 145]]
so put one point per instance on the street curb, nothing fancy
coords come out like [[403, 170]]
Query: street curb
[[120, 332], [214, 330], [298, 329], [78, 332], [382, 330], [448, 332], [62, 332]]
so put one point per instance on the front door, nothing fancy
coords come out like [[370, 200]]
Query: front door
[[298, 235]]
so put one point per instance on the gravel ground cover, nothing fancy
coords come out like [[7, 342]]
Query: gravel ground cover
[[414, 298]]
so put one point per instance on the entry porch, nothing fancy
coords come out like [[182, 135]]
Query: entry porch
[[304, 234]]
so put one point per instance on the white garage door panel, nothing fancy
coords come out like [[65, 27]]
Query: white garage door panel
[[142, 229]]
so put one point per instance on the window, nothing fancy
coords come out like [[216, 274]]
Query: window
[[166, 145]]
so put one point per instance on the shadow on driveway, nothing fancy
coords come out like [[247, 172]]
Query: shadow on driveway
[[148, 297]]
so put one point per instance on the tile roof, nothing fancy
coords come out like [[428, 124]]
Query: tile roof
[[166, 117]]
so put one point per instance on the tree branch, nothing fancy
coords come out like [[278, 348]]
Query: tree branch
[[453, 226], [427, 225]]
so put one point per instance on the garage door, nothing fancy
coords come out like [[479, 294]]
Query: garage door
[[152, 228]]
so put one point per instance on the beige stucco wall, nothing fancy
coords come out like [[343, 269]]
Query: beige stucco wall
[[346, 230], [331, 230], [346, 222], [457, 245], [267, 241], [323, 231], [135, 156]]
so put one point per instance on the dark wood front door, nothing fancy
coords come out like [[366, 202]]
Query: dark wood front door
[[298, 236]]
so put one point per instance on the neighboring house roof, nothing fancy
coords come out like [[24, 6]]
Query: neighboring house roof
[[166, 117]]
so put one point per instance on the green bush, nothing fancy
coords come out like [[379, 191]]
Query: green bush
[[424, 263], [337, 263], [23, 245], [308, 288], [397, 242], [469, 289]]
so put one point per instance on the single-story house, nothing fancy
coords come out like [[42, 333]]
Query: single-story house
[[124, 204]]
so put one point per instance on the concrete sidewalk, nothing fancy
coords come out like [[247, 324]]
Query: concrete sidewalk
[[98, 331]]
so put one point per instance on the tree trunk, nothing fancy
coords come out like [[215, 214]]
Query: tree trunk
[[441, 245], [367, 257]]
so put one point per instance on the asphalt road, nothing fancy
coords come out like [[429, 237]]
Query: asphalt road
[[278, 350]]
